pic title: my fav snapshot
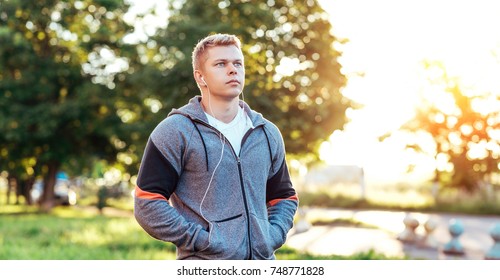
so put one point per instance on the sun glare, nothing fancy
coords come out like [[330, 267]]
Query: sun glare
[[388, 41], [383, 60]]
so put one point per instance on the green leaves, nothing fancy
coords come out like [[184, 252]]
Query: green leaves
[[293, 76], [50, 108], [73, 92]]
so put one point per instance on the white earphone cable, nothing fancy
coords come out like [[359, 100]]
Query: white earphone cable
[[222, 139]]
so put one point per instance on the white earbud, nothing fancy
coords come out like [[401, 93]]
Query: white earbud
[[204, 81]]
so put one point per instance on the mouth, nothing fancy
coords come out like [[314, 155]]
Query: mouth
[[233, 81]]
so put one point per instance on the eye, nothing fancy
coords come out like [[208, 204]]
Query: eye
[[219, 64], [238, 64]]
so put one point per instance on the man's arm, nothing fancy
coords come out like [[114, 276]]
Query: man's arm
[[156, 181], [282, 200]]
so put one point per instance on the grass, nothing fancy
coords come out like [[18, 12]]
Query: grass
[[81, 233], [447, 202], [321, 221], [286, 253], [71, 233]]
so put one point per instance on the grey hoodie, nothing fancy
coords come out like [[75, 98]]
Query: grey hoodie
[[249, 207]]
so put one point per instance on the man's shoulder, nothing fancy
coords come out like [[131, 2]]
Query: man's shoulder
[[272, 127], [273, 132], [258, 118], [172, 123]]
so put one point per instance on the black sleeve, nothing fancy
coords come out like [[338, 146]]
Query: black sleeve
[[280, 186], [156, 174]]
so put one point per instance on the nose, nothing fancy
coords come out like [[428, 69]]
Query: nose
[[232, 69]]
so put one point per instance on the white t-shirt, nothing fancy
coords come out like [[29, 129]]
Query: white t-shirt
[[235, 130]]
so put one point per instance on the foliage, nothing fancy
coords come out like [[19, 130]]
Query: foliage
[[76, 97], [464, 125], [58, 60], [292, 70]]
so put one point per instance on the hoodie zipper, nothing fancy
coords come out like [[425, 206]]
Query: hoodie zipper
[[246, 210], [238, 160], [243, 186]]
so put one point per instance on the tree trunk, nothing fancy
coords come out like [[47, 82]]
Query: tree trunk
[[49, 181], [25, 189], [11, 185], [435, 185]]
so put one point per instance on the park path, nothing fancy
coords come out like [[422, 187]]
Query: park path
[[347, 240], [381, 236]]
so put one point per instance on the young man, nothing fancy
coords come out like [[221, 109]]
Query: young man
[[213, 179]]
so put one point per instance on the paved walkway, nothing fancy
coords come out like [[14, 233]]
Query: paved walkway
[[387, 225]]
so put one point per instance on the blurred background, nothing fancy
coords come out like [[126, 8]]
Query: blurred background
[[383, 105]]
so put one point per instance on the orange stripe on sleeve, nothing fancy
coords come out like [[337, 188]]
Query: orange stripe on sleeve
[[148, 195], [275, 201]]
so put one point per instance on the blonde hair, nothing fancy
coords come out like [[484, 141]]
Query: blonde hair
[[219, 39]]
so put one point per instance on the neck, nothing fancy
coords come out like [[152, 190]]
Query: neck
[[222, 109]]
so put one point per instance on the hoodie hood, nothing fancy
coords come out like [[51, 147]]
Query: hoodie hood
[[194, 111]]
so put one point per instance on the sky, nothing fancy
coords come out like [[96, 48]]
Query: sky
[[388, 41]]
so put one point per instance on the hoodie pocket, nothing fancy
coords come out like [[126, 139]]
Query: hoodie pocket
[[225, 238], [266, 238]]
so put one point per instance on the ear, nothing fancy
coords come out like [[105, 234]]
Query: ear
[[198, 76]]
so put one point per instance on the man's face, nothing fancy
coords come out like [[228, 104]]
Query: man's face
[[224, 71]]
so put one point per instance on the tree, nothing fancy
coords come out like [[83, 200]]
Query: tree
[[58, 61], [73, 92], [464, 125], [293, 75]]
